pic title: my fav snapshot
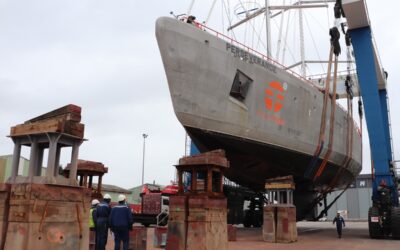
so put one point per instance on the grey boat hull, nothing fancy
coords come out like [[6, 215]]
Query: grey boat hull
[[262, 138]]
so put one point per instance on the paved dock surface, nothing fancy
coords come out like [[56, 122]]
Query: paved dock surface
[[312, 235]]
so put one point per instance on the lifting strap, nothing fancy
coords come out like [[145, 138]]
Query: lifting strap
[[349, 146], [350, 124], [321, 138], [335, 35], [331, 122]]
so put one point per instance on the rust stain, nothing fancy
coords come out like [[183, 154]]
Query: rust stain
[[55, 235], [22, 230]]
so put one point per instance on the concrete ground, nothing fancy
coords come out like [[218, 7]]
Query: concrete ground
[[311, 235]]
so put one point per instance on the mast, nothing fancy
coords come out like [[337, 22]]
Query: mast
[[268, 28]]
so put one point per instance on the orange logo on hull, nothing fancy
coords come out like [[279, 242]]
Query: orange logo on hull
[[275, 89]]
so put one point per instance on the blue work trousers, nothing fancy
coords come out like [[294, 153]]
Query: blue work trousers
[[101, 234], [121, 235]]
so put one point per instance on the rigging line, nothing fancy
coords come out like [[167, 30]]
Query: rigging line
[[247, 23], [254, 32], [332, 122], [315, 46], [285, 42], [209, 13], [190, 8], [259, 36], [318, 23], [229, 19], [222, 15], [278, 46], [294, 42], [327, 14]]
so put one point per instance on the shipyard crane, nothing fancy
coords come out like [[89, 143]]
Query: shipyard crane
[[384, 215]]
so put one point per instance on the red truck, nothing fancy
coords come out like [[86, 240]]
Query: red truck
[[155, 205]]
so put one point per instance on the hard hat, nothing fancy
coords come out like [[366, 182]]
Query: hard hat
[[121, 197], [95, 202], [107, 197]]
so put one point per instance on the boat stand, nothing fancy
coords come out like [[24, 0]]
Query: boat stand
[[280, 213], [198, 213], [41, 209]]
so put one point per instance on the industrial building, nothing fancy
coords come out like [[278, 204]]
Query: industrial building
[[5, 167], [353, 204]]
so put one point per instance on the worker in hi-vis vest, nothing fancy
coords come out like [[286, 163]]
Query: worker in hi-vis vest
[[92, 226]]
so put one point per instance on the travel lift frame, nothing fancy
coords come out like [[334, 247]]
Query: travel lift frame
[[384, 215]]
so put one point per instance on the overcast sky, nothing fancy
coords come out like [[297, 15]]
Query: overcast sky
[[103, 56]]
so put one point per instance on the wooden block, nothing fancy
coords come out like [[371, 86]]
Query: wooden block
[[270, 186], [215, 157], [72, 110], [56, 125], [75, 129]]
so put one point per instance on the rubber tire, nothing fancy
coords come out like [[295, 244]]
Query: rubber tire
[[257, 219], [257, 223], [395, 222], [375, 230], [247, 221]]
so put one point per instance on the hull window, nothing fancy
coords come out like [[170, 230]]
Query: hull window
[[240, 86]]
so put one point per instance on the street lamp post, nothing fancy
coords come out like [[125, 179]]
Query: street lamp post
[[144, 150]]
